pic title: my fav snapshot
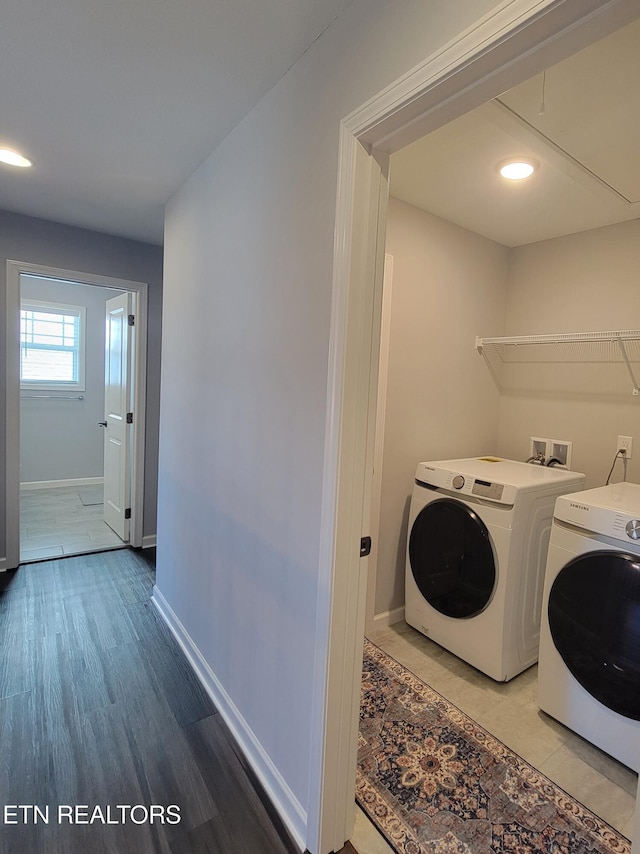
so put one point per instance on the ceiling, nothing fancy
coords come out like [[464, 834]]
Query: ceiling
[[586, 142], [118, 102]]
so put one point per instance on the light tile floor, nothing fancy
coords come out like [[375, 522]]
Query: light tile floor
[[54, 522], [509, 711]]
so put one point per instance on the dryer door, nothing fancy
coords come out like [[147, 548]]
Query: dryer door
[[452, 559], [594, 618]]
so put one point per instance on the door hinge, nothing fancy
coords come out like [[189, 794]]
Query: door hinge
[[131, 320], [127, 513], [129, 417], [365, 546]]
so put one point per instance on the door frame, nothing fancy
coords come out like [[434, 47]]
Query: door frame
[[377, 418], [517, 39], [12, 385]]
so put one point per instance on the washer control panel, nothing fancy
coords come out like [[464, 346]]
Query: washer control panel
[[633, 529], [458, 481], [613, 511]]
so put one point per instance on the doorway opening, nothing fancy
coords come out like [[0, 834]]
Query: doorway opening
[[445, 88], [474, 255], [76, 369]]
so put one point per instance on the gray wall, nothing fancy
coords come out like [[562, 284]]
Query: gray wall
[[449, 285], [60, 439], [584, 282], [248, 285], [39, 241]]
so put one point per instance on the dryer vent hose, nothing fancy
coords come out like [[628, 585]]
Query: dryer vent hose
[[539, 460]]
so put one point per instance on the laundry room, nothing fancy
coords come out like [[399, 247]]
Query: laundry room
[[564, 258], [549, 265]]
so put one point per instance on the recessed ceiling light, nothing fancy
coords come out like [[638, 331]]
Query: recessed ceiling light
[[517, 169], [12, 158]]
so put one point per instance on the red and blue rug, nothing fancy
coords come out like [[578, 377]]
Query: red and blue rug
[[434, 782]]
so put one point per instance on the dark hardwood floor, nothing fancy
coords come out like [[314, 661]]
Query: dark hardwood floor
[[99, 708]]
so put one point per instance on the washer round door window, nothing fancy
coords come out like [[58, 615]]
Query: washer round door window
[[594, 618], [452, 559]]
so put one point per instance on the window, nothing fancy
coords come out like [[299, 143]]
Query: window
[[51, 345]]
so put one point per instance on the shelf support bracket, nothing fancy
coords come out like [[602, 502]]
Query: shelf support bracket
[[635, 389]]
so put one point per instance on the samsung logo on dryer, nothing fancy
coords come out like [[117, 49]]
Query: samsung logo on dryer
[[579, 506]]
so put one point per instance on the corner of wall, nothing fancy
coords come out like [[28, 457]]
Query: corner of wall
[[287, 805]]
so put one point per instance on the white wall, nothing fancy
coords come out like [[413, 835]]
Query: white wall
[[248, 272], [581, 283], [449, 285], [60, 439]]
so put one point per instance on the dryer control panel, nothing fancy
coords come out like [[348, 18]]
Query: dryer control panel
[[464, 484], [484, 489], [495, 480]]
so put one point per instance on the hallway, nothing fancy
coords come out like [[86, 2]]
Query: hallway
[[99, 708]]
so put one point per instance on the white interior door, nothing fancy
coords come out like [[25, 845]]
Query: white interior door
[[117, 432]]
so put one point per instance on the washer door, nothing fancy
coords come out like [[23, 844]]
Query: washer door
[[594, 618], [451, 558]]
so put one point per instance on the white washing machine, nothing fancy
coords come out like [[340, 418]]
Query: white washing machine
[[476, 553], [589, 669]]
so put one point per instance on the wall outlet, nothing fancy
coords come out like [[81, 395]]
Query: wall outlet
[[625, 443]]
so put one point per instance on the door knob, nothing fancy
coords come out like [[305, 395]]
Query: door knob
[[102, 423]]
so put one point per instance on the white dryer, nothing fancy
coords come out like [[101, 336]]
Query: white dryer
[[589, 669], [476, 553]]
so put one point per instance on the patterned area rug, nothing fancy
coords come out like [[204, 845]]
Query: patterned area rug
[[434, 782]]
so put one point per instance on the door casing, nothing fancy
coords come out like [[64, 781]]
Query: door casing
[[12, 385]]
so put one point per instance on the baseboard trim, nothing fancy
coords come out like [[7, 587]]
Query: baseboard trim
[[284, 801], [71, 481], [388, 618], [149, 541], [3, 564]]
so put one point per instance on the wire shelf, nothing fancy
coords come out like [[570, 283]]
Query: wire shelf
[[562, 351]]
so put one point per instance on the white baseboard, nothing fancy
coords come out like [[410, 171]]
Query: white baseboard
[[388, 618], [3, 564], [149, 541], [287, 805], [72, 481]]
